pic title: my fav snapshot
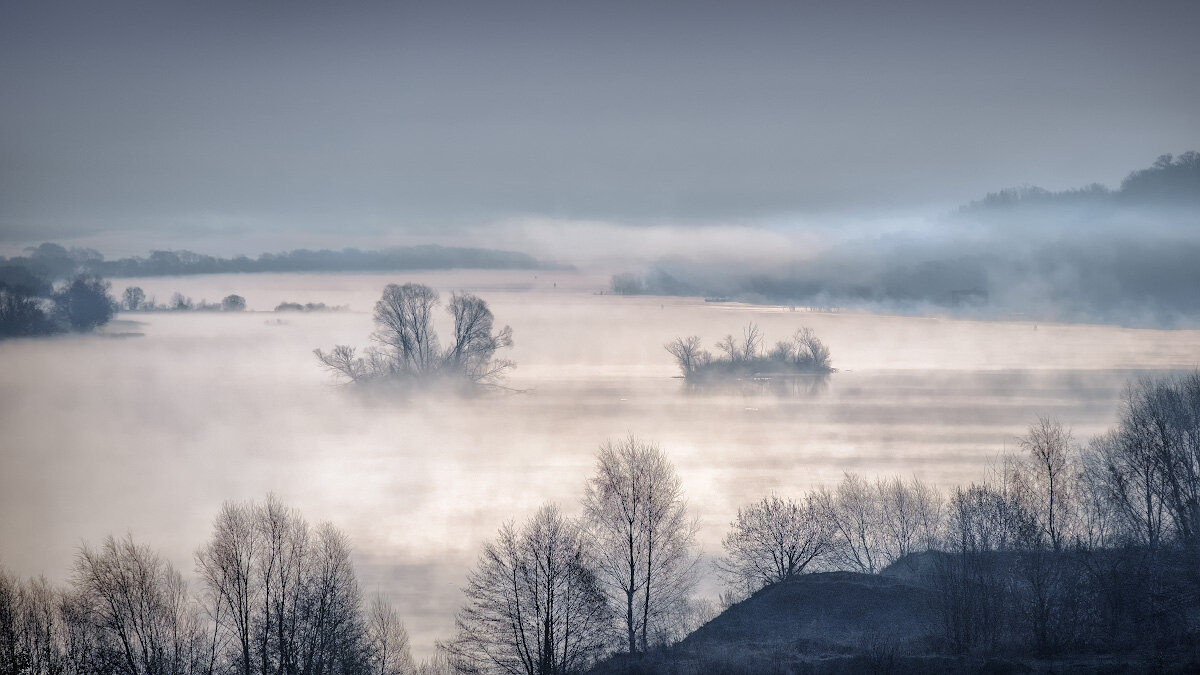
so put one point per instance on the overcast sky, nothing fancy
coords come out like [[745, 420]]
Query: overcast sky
[[376, 121]]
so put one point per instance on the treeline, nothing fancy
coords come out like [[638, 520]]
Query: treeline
[[134, 299], [274, 595], [1169, 181], [1133, 278], [53, 261]]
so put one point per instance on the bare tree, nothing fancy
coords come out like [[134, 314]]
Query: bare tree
[[1160, 419], [180, 302], [645, 541], [730, 348], [10, 658], [344, 360], [752, 340], [1149, 465], [331, 629], [1048, 443], [474, 349], [534, 605], [438, 664], [910, 518], [989, 518], [1129, 476], [773, 540], [688, 354], [284, 594], [404, 323], [387, 641], [133, 298], [854, 513], [227, 567], [31, 629], [809, 350], [1098, 514], [142, 605]]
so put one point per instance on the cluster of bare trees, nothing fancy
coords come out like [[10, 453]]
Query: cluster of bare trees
[[1084, 546], [275, 596], [127, 611], [803, 352], [859, 526], [134, 299], [554, 595], [1060, 547], [407, 348], [1148, 468], [282, 595]]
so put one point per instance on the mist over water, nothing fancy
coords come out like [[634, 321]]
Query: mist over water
[[148, 427]]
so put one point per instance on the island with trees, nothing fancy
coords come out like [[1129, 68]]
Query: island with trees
[[407, 351], [802, 354]]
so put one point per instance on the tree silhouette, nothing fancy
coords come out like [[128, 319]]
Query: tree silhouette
[[645, 541], [407, 348], [534, 605]]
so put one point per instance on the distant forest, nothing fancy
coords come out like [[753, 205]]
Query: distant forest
[[52, 289], [1169, 181], [52, 261], [1124, 256]]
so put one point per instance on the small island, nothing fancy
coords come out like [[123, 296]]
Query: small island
[[802, 354]]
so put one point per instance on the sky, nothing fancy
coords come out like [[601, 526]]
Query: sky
[[246, 126]]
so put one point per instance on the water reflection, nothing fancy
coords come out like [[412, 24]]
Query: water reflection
[[806, 385]]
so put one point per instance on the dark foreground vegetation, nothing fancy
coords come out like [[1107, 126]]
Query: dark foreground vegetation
[[1065, 558], [407, 351], [803, 354], [273, 595]]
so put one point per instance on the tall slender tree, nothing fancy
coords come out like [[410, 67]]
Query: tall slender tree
[[644, 538]]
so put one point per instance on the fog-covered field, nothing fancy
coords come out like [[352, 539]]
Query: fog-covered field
[[150, 425]]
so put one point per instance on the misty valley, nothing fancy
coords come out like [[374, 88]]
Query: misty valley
[[599, 338], [164, 438]]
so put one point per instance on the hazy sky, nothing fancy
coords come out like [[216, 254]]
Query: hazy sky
[[162, 122]]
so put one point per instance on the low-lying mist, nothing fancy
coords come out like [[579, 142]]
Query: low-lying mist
[[1115, 280], [150, 425], [1124, 256]]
